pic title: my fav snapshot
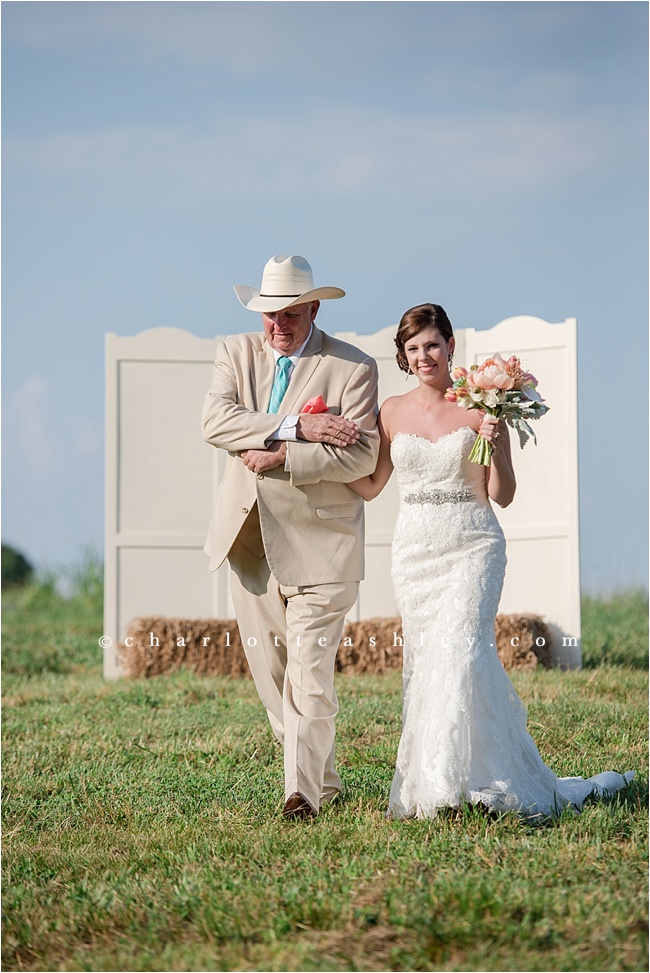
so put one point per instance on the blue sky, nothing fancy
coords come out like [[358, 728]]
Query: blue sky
[[491, 157]]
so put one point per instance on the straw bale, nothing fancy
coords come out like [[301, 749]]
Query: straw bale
[[212, 647], [374, 645], [206, 646], [532, 641]]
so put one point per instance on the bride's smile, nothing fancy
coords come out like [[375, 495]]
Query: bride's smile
[[427, 354]]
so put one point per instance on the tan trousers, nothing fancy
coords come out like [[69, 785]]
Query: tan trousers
[[290, 636]]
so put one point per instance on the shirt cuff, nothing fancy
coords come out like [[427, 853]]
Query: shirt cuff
[[287, 429]]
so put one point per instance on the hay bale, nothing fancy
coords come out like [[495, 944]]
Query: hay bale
[[532, 641], [206, 646], [212, 647], [374, 645]]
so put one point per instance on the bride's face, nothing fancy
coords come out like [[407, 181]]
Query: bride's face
[[427, 354]]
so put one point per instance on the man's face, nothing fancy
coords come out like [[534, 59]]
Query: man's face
[[286, 330]]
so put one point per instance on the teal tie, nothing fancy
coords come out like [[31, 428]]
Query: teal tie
[[280, 383]]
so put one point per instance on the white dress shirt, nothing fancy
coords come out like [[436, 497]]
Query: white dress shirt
[[287, 428]]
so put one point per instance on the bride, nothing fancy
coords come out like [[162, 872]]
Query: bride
[[464, 736]]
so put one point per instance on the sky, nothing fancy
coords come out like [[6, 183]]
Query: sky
[[490, 157]]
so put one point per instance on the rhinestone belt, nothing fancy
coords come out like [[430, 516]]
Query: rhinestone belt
[[440, 496]]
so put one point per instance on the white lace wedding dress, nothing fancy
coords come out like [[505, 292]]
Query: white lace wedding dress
[[464, 736]]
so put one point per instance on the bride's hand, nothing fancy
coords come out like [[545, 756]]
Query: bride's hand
[[500, 475], [495, 431]]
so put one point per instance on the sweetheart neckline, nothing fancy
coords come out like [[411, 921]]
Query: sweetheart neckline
[[434, 442]]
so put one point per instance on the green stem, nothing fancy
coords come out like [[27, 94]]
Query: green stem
[[481, 452]]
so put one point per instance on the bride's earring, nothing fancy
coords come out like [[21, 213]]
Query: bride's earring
[[450, 360]]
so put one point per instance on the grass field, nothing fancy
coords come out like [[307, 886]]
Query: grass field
[[142, 828]]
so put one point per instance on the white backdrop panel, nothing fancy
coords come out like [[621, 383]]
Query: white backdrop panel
[[161, 479]]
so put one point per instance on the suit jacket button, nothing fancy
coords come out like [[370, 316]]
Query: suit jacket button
[[245, 510], [260, 476]]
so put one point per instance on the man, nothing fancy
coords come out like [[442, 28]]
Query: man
[[285, 519]]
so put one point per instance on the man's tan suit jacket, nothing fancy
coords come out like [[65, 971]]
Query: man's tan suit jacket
[[312, 523]]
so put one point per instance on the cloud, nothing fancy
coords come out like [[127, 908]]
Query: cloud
[[248, 39], [89, 439], [26, 426], [35, 439], [352, 150], [320, 39]]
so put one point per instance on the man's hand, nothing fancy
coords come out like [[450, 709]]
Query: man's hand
[[325, 428], [261, 460]]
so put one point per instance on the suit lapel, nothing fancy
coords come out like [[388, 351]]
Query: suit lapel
[[264, 373]]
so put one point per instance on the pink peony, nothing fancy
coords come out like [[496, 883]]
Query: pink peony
[[491, 376]]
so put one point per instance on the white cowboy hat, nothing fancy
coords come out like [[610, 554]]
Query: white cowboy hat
[[285, 281]]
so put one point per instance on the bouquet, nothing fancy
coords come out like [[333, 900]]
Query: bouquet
[[503, 389]]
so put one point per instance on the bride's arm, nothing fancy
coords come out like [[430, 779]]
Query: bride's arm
[[500, 474], [371, 486]]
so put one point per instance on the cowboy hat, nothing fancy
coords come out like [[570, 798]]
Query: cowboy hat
[[285, 281]]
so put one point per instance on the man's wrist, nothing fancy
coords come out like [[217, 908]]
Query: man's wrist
[[287, 430]]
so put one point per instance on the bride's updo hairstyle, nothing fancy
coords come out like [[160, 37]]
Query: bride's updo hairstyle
[[416, 319]]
